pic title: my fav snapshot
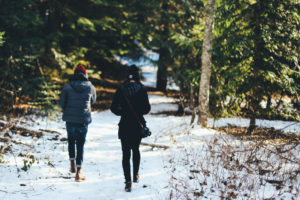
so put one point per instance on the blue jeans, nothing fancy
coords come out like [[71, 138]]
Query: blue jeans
[[76, 136]]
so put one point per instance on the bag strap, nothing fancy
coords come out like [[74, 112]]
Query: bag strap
[[132, 109]]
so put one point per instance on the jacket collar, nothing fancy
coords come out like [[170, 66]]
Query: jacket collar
[[79, 77]]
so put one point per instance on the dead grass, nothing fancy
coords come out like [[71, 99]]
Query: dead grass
[[264, 165], [261, 134]]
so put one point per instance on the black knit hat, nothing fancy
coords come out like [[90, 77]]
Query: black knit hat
[[134, 73]]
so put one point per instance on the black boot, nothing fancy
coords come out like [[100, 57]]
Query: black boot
[[128, 186]]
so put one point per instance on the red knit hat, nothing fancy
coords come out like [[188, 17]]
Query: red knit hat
[[80, 69]]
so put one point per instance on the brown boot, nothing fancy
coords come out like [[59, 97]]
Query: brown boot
[[128, 186], [136, 178], [73, 167], [79, 177]]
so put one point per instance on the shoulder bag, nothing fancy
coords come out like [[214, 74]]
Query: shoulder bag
[[144, 131]]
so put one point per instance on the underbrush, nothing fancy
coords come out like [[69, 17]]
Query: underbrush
[[259, 166], [19, 143]]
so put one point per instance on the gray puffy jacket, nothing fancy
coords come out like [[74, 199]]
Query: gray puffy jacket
[[76, 99]]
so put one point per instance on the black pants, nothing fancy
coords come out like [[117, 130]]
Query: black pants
[[128, 146]]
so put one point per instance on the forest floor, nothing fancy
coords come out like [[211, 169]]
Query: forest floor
[[179, 161]]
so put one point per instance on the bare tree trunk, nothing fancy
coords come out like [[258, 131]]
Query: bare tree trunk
[[164, 54], [256, 94], [206, 64], [192, 103], [252, 125], [269, 103], [161, 80]]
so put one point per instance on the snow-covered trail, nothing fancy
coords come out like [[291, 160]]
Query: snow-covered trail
[[50, 178], [103, 155]]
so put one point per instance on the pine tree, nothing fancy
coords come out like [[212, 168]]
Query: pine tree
[[20, 76], [257, 53]]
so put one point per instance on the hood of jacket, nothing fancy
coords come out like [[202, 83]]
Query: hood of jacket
[[79, 82], [131, 88]]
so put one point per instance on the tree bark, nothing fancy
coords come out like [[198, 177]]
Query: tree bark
[[206, 64], [192, 103], [164, 53], [161, 80], [252, 125], [256, 94]]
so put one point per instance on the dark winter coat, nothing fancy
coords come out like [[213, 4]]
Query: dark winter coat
[[129, 126], [76, 99]]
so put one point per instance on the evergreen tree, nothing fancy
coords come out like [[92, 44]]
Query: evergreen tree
[[45, 39], [158, 39], [21, 77], [257, 53]]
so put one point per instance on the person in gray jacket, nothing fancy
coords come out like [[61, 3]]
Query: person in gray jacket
[[76, 99]]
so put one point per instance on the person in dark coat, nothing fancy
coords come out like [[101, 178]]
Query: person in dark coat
[[129, 127], [76, 99]]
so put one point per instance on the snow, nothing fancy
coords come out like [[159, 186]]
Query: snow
[[149, 76], [49, 176], [102, 167], [286, 126], [190, 147]]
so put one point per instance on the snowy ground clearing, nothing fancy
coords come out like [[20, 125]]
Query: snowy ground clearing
[[199, 163], [49, 178]]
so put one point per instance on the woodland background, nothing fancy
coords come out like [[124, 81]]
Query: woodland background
[[254, 52], [234, 63]]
